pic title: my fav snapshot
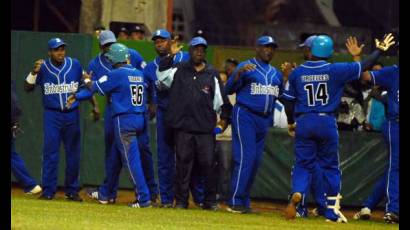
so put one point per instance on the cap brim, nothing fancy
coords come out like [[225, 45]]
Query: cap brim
[[158, 36], [58, 45], [269, 44], [108, 41], [199, 44]]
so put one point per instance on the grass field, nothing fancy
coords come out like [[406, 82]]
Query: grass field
[[30, 213]]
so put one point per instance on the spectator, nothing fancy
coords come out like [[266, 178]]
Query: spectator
[[123, 34], [137, 33], [98, 30]]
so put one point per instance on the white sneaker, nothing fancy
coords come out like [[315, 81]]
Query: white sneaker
[[364, 214], [36, 190]]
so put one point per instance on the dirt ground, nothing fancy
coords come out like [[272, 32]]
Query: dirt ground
[[127, 196]]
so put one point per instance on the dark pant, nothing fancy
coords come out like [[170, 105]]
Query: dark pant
[[224, 168], [198, 148]]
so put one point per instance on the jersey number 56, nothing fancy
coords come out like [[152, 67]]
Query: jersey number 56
[[137, 92]]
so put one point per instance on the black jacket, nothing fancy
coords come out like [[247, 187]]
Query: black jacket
[[15, 108], [191, 98]]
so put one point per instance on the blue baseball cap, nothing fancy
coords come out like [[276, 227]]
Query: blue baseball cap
[[55, 43], [196, 41], [161, 33], [308, 42], [266, 40], [107, 36]]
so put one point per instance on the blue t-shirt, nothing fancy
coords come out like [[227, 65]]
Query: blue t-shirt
[[256, 90], [317, 86], [161, 93], [59, 82], [388, 77], [126, 85]]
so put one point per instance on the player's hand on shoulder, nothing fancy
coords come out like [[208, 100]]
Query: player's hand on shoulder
[[37, 66], [87, 77]]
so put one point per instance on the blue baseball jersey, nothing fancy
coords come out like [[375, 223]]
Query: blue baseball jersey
[[388, 77], [257, 90], [318, 86], [126, 85], [100, 66], [58, 82], [161, 93]]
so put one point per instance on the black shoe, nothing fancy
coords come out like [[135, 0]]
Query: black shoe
[[154, 201], [249, 210], [391, 218], [45, 197], [236, 209], [211, 207], [169, 205], [181, 206], [73, 197]]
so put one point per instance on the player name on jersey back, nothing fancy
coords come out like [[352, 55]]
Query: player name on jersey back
[[313, 78], [51, 88], [135, 79], [259, 89]]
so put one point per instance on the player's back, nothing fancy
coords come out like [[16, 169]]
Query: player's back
[[318, 85], [128, 94]]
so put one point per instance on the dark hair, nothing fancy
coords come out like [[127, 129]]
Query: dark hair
[[232, 61], [378, 63]]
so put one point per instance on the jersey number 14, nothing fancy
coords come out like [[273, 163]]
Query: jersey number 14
[[137, 92], [320, 94]]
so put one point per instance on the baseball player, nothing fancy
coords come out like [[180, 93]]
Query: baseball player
[[257, 85], [126, 85], [388, 77], [99, 67], [165, 145], [319, 199], [58, 76], [17, 164], [316, 87]]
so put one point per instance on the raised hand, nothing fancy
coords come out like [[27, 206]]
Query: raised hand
[[387, 42], [37, 66], [175, 46], [353, 47]]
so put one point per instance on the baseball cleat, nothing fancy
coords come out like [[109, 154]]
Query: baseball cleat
[[73, 197], [94, 194], [138, 204], [333, 213], [391, 218], [236, 209], [36, 190], [290, 210], [364, 214]]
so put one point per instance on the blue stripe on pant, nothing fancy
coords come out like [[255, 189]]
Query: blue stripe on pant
[[378, 193], [126, 128], [65, 127], [248, 137], [20, 171], [166, 165], [391, 134], [317, 157]]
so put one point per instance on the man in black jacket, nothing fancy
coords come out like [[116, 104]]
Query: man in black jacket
[[17, 164], [195, 98]]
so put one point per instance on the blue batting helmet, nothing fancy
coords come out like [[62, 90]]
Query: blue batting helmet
[[322, 46], [117, 53]]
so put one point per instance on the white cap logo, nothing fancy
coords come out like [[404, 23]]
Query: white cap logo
[[58, 40], [270, 39], [158, 32]]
